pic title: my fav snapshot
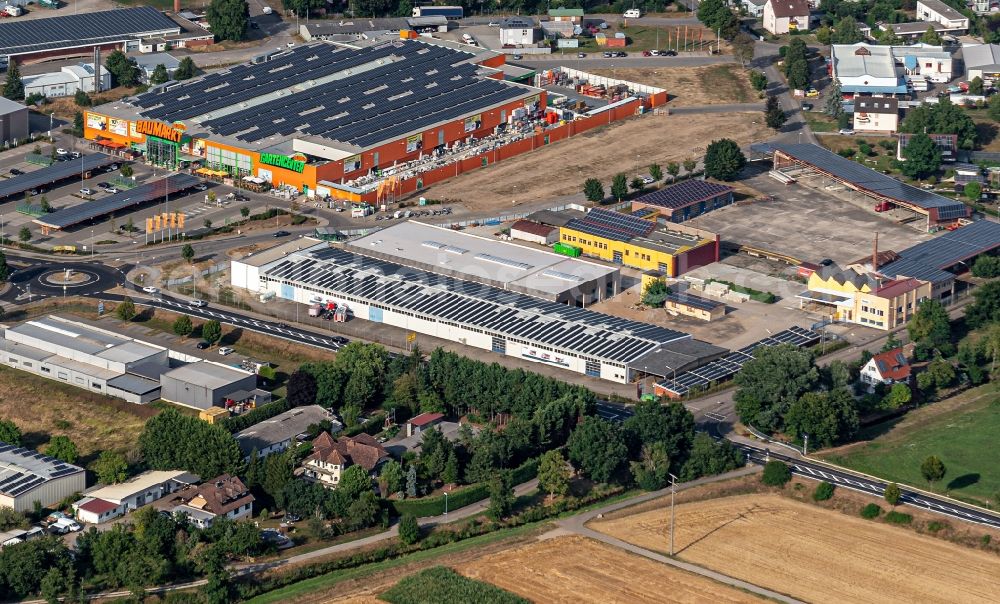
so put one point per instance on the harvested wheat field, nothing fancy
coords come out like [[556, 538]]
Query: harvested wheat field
[[815, 554], [577, 569], [561, 168], [690, 86]]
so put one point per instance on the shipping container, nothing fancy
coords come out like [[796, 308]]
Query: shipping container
[[567, 250]]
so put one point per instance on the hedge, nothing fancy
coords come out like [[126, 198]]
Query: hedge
[[255, 416], [372, 426], [434, 506]]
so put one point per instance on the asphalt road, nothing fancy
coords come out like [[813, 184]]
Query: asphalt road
[[43, 280]]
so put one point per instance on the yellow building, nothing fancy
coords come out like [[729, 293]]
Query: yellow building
[[864, 299], [633, 241]]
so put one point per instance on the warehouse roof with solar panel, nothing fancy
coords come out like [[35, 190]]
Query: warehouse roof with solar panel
[[343, 99]]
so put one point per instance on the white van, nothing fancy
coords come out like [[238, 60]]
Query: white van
[[632, 13]]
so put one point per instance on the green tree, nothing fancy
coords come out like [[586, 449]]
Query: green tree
[[207, 223], [553, 473], [976, 85], [892, 494], [78, 124], [932, 469], [10, 433], [598, 449], [824, 35], [823, 492], [593, 190], [229, 19], [724, 160], [671, 424], [923, 157], [187, 252], [776, 473], [24, 234], [301, 388], [717, 16], [61, 447], [709, 457], [13, 88], [930, 325], [771, 382], [898, 396], [827, 417], [126, 171], [689, 165], [123, 69], [175, 441], [673, 169], [943, 117], [655, 293], [501, 495], [82, 99], [159, 75], [652, 471], [985, 306], [211, 331], [354, 481], [619, 186], [656, 172], [409, 530], [758, 80], [994, 108], [743, 45], [636, 184], [774, 115], [111, 467], [4, 269], [391, 477], [797, 65], [45, 205], [847, 32], [985, 266], [125, 311], [183, 326], [930, 37], [244, 211], [185, 69]]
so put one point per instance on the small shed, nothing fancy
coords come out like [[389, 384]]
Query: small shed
[[422, 422], [527, 230]]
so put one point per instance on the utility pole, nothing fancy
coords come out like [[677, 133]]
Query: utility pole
[[673, 491], [805, 446]]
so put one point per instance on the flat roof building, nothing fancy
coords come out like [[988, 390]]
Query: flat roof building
[[109, 502], [483, 316], [685, 200], [981, 61], [13, 122], [85, 356], [204, 384], [27, 477], [540, 273], [276, 434]]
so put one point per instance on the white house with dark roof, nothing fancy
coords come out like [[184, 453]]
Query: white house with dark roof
[[785, 16], [876, 114]]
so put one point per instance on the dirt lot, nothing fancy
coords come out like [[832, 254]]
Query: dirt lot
[[560, 169], [688, 86], [788, 546], [576, 569]]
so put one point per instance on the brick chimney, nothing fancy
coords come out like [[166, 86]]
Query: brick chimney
[[875, 253], [177, 6]]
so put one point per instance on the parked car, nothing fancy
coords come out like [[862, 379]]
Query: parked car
[[199, 304], [200, 187], [86, 191], [846, 132], [647, 53], [37, 191], [283, 325], [517, 57], [608, 54], [340, 340], [15, 172], [149, 289], [669, 53], [62, 152], [290, 45], [112, 189], [202, 345], [494, 24], [807, 107], [226, 350], [632, 13], [621, 53], [647, 180], [581, 55]]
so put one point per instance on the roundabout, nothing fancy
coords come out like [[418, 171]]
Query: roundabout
[[50, 279]]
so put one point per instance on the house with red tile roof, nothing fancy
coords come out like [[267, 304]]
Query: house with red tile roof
[[890, 367], [330, 457]]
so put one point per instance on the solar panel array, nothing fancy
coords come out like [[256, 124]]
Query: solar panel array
[[612, 225], [927, 260], [415, 86], [873, 181], [19, 482], [52, 174], [693, 301], [18, 36], [730, 365], [493, 310], [684, 194], [92, 209]]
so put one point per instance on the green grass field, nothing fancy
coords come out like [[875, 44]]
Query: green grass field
[[962, 431], [441, 584]]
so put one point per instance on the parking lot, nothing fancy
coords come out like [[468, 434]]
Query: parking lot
[[807, 223]]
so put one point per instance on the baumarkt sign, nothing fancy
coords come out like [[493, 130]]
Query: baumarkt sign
[[159, 130], [282, 161]]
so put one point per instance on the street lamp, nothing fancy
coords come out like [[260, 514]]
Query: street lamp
[[673, 491], [446, 503], [805, 446]]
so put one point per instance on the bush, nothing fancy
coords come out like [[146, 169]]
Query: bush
[[824, 491], [409, 530], [776, 473], [255, 416], [935, 526], [871, 511], [849, 152], [898, 518]]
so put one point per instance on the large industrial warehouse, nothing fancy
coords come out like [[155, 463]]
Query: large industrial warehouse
[[509, 266], [320, 115], [31, 40], [474, 314]]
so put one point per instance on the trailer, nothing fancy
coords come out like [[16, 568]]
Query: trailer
[[451, 13], [567, 250]]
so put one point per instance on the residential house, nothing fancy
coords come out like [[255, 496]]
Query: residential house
[[109, 502], [422, 422], [754, 8], [517, 31], [222, 496], [276, 434], [890, 367], [876, 114], [786, 16], [331, 457]]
